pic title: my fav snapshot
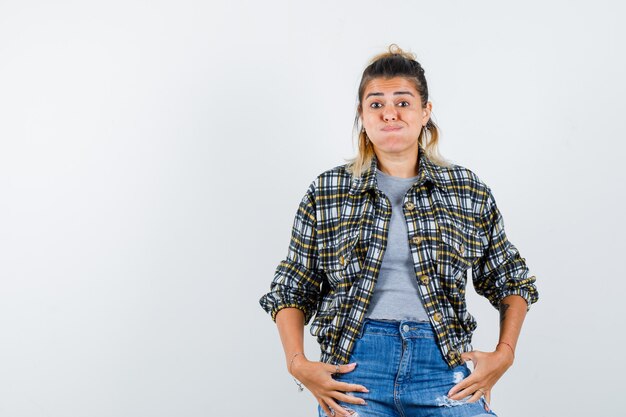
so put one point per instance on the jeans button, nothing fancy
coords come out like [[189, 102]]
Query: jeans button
[[405, 327]]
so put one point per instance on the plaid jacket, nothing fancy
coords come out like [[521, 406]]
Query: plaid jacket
[[339, 238]]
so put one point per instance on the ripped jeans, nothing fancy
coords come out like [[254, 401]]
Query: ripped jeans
[[401, 365]]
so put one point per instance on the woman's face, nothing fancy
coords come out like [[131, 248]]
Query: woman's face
[[392, 114]]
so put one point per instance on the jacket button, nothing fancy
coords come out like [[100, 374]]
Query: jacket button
[[461, 249], [453, 354], [425, 279], [416, 240], [437, 316], [409, 205], [342, 260]]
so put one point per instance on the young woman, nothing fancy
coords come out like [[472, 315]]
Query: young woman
[[379, 254]]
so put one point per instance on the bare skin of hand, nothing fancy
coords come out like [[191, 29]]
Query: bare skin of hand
[[317, 377], [488, 368]]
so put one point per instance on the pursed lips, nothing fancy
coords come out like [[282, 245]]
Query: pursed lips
[[391, 128]]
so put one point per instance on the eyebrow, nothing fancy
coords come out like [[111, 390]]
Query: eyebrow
[[397, 93]]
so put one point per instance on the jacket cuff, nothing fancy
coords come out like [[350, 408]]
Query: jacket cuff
[[272, 303], [528, 292]]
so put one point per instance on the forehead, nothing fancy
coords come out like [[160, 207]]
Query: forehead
[[389, 86]]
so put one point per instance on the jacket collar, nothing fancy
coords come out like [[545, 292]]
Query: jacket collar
[[427, 171]]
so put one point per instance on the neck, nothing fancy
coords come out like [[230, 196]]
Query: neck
[[403, 166]]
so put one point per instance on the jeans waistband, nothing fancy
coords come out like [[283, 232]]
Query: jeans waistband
[[395, 327]]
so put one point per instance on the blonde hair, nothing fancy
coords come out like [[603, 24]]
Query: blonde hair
[[393, 63]]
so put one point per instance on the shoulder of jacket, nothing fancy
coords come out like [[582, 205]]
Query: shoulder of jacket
[[459, 174], [329, 181], [335, 177], [467, 185], [336, 171]]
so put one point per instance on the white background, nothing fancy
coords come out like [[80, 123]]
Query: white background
[[153, 154]]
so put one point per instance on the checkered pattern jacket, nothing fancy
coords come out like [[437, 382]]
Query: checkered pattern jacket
[[339, 238]]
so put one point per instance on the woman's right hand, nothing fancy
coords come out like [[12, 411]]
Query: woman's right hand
[[317, 377]]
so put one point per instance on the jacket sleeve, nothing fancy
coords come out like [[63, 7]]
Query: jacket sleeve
[[297, 281], [500, 271]]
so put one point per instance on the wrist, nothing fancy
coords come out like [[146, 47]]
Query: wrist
[[506, 351], [296, 360], [508, 345]]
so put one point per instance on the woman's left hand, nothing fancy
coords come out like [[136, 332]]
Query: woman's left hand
[[488, 368]]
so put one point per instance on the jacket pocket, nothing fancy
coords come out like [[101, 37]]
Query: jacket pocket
[[338, 260], [461, 245]]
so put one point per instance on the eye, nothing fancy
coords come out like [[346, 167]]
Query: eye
[[404, 104], [375, 105]]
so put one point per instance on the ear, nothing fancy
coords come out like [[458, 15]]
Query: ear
[[426, 112]]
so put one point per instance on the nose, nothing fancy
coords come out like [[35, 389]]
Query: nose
[[390, 114]]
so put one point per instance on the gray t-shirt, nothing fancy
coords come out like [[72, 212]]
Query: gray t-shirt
[[396, 295]]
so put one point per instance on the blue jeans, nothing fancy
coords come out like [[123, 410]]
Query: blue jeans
[[401, 365]]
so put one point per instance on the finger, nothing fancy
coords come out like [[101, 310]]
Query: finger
[[345, 386], [340, 369], [470, 390], [344, 369], [487, 401], [475, 396], [347, 398], [325, 408], [462, 385], [339, 410]]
